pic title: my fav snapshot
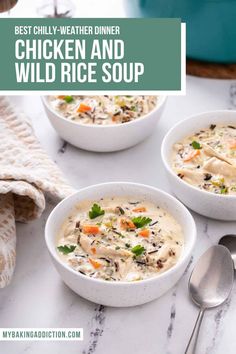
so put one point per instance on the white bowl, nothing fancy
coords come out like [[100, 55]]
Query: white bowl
[[105, 138], [121, 294], [216, 206]]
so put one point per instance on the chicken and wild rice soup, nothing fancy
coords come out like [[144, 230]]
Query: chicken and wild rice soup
[[207, 159], [120, 239], [102, 110]]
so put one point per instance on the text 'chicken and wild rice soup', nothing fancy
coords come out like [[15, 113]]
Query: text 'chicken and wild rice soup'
[[207, 159], [120, 239], [102, 110]]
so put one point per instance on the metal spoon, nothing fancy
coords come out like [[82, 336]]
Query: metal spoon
[[209, 285], [229, 241]]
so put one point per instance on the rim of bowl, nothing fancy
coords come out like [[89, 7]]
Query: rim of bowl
[[105, 126], [182, 258], [167, 163]]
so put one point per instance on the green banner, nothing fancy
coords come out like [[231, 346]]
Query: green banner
[[90, 54]]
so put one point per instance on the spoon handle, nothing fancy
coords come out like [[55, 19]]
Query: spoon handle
[[194, 336]]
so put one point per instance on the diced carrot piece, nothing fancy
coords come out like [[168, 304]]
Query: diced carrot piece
[[127, 224], [93, 249], [83, 108], [61, 97], [139, 209], [232, 145], [94, 263], [192, 155], [144, 233], [91, 229]]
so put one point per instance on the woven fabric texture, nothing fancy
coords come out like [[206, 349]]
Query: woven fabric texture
[[27, 174]]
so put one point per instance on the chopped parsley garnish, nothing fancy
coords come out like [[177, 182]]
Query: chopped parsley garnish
[[96, 211], [127, 245], [138, 250], [141, 221], [117, 233], [66, 249], [218, 182], [196, 145], [117, 248], [68, 99], [223, 190]]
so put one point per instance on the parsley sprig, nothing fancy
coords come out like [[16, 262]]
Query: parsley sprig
[[68, 99], [141, 221], [196, 145], [138, 250], [96, 211], [66, 249], [223, 190]]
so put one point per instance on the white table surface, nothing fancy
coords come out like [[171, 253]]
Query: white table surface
[[38, 298]]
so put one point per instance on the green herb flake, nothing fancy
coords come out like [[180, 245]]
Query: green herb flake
[[66, 249], [96, 211], [117, 233], [223, 190], [141, 221], [117, 248], [218, 182], [68, 99], [196, 145], [127, 245], [138, 250]]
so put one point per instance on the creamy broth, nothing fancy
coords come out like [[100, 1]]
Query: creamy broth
[[102, 110], [122, 239], [207, 159]]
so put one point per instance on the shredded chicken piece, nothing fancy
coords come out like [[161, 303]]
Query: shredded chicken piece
[[216, 166], [208, 150], [191, 176], [101, 250]]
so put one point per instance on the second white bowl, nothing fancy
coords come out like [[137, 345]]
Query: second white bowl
[[216, 206], [105, 138]]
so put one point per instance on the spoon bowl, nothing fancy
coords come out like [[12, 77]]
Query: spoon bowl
[[210, 285], [211, 280], [229, 241]]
